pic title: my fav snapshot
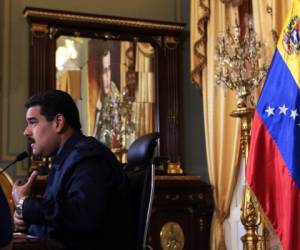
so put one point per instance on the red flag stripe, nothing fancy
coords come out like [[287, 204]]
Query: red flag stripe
[[269, 178]]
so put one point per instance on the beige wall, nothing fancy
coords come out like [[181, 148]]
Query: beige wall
[[14, 56]]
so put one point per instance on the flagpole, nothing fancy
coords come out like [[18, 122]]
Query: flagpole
[[240, 67], [250, 215]]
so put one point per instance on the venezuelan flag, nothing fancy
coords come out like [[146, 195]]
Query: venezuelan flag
[[273, 166]]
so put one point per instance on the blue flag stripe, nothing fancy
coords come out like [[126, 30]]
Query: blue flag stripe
[[279, 109]]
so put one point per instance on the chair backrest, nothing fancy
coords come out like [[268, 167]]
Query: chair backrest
[[141, 173]]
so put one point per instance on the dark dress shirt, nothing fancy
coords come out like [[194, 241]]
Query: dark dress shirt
[[85, 205]]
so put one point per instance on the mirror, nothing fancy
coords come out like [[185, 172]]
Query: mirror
[[125, 73], [113, 84]]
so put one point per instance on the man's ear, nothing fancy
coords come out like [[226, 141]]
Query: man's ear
[[60, 122]]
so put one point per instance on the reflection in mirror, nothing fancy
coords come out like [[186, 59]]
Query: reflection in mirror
[[113, 84]]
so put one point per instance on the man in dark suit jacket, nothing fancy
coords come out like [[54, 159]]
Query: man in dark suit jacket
[[85, 204], [6, 226]]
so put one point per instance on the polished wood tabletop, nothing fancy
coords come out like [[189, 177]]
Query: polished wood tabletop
[[23, 241]]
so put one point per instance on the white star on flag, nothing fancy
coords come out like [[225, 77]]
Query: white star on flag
[[294, 114], [270, 111], [283, 109]]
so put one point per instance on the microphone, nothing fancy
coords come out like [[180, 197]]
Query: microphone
[[19, 157]]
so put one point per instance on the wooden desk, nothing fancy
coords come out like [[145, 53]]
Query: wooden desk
[[22, 242], [181, 214]]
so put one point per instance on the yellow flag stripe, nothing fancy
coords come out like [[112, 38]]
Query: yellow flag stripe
[[292, 60]]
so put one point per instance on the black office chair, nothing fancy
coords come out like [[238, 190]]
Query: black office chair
[[141, 173]]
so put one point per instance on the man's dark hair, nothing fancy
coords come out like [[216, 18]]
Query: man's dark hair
[[53, 102]]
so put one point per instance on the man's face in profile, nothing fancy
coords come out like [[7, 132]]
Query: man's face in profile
[[41, 133], [106, 76]]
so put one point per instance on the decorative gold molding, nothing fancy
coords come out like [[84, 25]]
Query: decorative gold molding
[[171, 236], [39, 30], [101, 20], [170, 40], [201, 224], [37, 27], [174, 168]]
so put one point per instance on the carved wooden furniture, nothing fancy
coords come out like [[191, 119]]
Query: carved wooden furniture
[[45, 26], [181, 213]]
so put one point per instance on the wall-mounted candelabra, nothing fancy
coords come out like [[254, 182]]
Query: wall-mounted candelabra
[[240, 66]]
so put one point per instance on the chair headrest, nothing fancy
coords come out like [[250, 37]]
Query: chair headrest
[[141, 150]]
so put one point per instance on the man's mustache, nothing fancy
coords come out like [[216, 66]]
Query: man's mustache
[[31, 140]]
